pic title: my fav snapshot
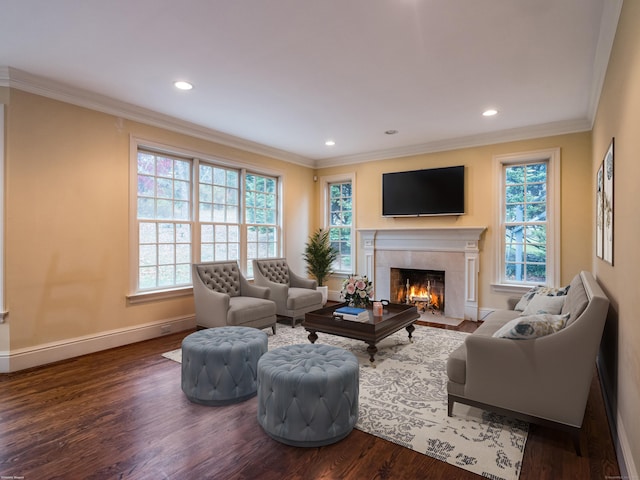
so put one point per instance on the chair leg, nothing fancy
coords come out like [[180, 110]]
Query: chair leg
[[575, 434], [450, 403], [273, 328], [293, 322]]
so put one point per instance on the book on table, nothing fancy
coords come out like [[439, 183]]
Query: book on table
[[353, 313]]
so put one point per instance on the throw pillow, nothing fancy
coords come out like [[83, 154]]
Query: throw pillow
[[540, 290], [544, 304], [533, 326]]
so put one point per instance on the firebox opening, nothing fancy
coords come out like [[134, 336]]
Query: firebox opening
[[422, 288]]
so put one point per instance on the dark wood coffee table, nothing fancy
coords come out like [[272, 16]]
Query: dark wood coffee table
[[395, 317]]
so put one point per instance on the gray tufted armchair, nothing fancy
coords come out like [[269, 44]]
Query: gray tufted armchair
[[223, 296], [294, 295]]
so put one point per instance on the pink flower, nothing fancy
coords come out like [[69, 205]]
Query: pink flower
[[351, 288], [360, 285]]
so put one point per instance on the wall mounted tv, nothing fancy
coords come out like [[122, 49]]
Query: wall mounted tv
[[433, 191]]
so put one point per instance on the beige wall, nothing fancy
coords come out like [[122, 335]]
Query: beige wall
[[577, 212], [67, 220], [619, 116]]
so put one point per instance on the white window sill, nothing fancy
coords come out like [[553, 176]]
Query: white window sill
[[510, 288], [156, 295]]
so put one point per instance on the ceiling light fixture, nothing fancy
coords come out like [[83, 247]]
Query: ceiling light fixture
[[490, 112], [329, 143], [182, 85]]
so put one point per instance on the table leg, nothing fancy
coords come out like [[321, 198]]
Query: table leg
[[410, 329], [312, 336], [371, 350]]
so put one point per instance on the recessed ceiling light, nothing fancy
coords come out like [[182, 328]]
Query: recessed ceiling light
[[391, 132], [490, 112], [329, 143], [182, 85]]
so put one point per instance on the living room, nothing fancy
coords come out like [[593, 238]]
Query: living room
[[67, 276]]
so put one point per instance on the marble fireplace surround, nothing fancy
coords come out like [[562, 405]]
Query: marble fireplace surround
[[454, 250]]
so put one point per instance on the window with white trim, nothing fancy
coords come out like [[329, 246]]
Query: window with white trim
[[190, 209], [529, 218], [219, 213], [261, 214], [339, 208], [164, 221]]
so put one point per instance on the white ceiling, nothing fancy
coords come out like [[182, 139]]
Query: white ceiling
[[283, 76]]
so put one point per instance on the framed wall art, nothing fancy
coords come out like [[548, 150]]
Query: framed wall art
[[607, 205], [599, 208]]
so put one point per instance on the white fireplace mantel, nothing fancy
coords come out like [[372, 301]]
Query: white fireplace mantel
[[444, 240]]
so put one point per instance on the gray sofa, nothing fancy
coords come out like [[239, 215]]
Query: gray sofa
[[544, 380]]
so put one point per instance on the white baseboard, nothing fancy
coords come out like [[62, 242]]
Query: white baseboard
[[29, 357], [627, 462]]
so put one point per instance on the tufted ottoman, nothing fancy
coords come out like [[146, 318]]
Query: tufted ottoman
[[308, 394], [219, 364]]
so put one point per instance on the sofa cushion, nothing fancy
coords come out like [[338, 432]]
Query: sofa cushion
[[544, 304], [540, 290], [576, 301], [302, 298], [243, 310], [532, 326]]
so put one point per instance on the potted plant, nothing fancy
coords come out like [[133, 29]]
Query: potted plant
[[320, 255]]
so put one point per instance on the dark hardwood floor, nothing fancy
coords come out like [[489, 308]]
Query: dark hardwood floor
[[121, 414]]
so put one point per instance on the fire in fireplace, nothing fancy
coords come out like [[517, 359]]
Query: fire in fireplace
[[422, 288]]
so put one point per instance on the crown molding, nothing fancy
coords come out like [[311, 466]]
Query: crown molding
[[511, 135], [608, 26], [21, 80]]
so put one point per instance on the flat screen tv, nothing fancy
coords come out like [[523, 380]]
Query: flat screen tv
[[433, 191]]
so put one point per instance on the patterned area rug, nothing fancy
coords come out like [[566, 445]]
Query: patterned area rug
[[404, 400]]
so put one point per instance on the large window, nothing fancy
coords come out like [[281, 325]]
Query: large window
[[164, 228], [261, 213], [339, 208], [219, 213], [189, 210], [529, 218]]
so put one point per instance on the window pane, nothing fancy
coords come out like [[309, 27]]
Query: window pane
[[146, 208], [146, 186], [206, 233], [146, 163], [183, 274], [183, 253], [164, 167], [147, 255], [514, 212], [536, 212], [147, 233], [147, 277], [166, 275]]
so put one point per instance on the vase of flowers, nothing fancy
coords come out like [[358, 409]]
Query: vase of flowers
[[357, 290]]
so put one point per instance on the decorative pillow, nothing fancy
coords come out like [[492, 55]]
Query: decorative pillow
[[540, 290], [533, 326], [544, 304]]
